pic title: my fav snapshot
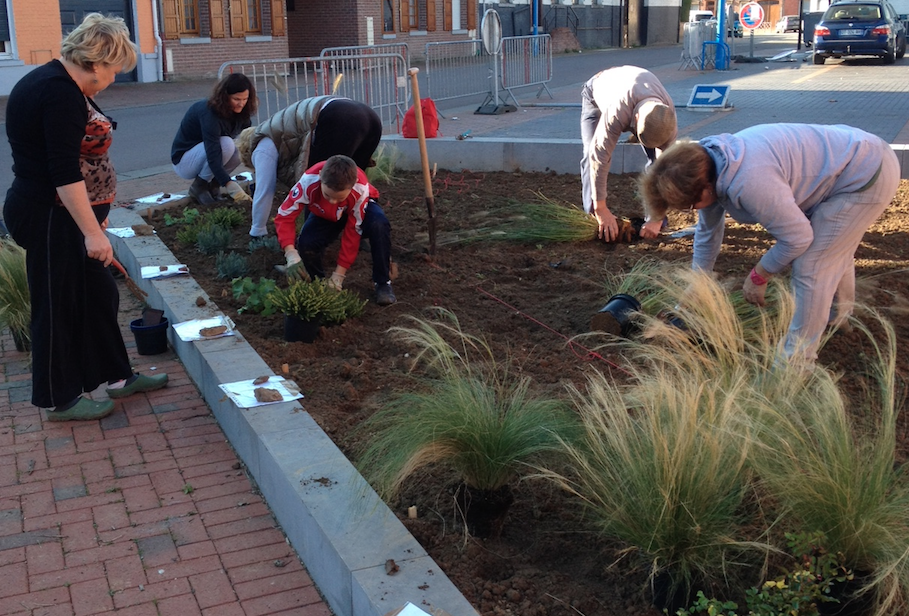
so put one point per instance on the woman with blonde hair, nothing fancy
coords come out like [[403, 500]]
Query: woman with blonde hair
[[816, 189], [56, 209]]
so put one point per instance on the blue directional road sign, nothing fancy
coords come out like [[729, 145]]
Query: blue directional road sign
[[708, 96]]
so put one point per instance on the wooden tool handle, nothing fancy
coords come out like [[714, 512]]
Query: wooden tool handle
[[421, 130]]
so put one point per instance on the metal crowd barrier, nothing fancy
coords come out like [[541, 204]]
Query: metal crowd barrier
[[694, 53], [457, 68], [463, 68], [526, 61], [376, 79], [398, 48]]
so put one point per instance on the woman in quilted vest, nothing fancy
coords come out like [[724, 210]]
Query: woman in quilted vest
[[305, 133]]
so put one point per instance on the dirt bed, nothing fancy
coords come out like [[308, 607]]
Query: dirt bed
[[528, 301]]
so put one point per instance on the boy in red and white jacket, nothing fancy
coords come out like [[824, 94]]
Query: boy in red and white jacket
[[339, 201]]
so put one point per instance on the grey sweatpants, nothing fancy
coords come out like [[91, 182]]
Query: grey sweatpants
[[826, 271]]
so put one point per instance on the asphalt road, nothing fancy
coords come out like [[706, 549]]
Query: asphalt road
[[863, 93]]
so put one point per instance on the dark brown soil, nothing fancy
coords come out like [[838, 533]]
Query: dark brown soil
[[528, 301]]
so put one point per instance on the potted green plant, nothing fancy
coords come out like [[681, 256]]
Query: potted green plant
[[471, 417], [15, 302], [307, 306]]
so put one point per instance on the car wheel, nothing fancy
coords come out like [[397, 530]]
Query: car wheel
[[901, 51], [818, 58], [890, 56]]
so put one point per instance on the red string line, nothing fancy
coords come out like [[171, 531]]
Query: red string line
[[590, 354]]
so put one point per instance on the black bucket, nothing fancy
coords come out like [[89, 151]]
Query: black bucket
[[298, 330], [615, 317], [150, 339]]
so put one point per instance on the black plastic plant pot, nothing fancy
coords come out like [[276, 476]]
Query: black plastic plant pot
[[300, 330], [669, 594], [671, 318], [616, 316], [22, 341], [150, 339], [484, 511], [848, 600]]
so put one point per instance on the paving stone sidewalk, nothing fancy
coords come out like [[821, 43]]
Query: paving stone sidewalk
[[147, 512]]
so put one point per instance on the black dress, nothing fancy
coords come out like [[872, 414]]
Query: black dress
[[57, 138]]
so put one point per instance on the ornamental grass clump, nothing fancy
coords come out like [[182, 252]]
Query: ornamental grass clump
[[663, 471], [386, 162], [643, 281], [831, 467], [664, 464], [532, 223], [721, 335], [470, 415], [15, 300]]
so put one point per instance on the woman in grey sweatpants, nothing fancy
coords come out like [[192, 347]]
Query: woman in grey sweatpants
[[816, 189]]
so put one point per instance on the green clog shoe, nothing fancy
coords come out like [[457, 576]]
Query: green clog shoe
[[83, 410], [141, 384]]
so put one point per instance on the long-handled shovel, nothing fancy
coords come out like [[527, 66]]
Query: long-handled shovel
[[135, 289], [424, 158]]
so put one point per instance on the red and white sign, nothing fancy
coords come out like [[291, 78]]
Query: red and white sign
[[751, 15]]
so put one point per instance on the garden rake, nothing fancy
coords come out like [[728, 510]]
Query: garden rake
[[134, 288]]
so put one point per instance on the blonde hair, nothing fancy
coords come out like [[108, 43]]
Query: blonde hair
[[100, 40], [676, 179], [244, 143]]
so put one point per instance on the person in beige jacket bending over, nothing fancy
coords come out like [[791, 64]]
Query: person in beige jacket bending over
[[617, 100]]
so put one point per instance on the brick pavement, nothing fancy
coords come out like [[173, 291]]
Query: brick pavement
[[147, 512]]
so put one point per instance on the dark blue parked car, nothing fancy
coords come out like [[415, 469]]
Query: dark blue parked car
[[859, 28]]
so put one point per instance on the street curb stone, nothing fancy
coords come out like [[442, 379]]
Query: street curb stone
[[343, 532]]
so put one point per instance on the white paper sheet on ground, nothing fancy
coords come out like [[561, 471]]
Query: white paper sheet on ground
[[684, 232], [411, 610], [121, 231], [191, 330], [160, 198], [243, 392], [155, 271]]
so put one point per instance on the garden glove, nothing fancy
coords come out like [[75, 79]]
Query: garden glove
[[294, 263], [627, 233], [336, 281], [237, 194]]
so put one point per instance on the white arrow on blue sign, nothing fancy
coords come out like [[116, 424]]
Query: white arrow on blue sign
[[708, 95]]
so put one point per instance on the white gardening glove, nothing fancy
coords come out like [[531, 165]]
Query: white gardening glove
[[294, 264], [336, 281], [237, 194], [337, 278]]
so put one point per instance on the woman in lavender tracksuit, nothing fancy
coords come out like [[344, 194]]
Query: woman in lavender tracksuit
[[816, 189]]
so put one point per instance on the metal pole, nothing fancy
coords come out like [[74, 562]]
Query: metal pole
[[536, 16]]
